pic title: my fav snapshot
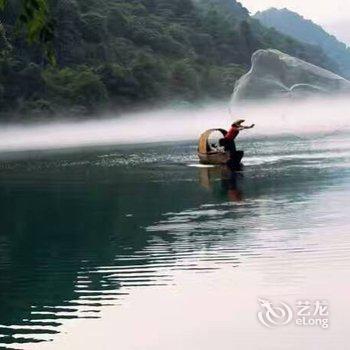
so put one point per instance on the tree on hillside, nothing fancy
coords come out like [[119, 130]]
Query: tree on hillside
[[34, 16]]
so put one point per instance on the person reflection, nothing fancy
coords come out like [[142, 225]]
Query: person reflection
[[229, 181], [229, 184]]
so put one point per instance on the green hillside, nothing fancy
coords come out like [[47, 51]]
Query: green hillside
[[116, 55]]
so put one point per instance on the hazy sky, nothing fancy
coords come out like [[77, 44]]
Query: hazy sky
[[333, 15]]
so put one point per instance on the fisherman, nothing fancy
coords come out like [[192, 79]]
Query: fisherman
[[229, 140]]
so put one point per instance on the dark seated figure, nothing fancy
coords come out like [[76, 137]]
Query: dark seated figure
[[229, 143], [235, 160]]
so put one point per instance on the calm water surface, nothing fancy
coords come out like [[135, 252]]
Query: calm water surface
[[134, 248]]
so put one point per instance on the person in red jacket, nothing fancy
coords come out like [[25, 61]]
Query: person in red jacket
[[229, 139]]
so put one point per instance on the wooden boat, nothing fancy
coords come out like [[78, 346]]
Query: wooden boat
[[209, 155]]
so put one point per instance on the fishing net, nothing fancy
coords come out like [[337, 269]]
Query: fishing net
[[275, 74]]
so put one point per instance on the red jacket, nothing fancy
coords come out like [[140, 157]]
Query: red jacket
[[232, 133]]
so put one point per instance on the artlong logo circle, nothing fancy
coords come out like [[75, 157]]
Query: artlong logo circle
[[274, 315]]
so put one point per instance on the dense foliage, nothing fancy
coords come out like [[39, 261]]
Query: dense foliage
[[304, 30], [113, 54]]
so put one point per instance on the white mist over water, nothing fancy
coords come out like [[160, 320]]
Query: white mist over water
[[299, 118]]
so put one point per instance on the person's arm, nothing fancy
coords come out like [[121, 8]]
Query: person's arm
[[242, 127]]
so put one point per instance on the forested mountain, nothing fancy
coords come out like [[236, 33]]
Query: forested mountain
[[113, 54], [291, 23]]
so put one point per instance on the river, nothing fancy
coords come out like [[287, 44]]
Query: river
[[135, 247]]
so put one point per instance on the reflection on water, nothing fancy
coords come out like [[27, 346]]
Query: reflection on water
[[229, 181], [79, 233]]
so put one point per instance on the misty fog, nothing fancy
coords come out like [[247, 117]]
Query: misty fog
[[295, 117]]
